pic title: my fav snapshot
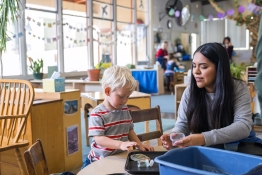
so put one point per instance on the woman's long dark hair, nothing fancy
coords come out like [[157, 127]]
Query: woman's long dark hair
[[221, 108]]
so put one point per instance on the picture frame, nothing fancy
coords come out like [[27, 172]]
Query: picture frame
[[70, 106], [72, 139]]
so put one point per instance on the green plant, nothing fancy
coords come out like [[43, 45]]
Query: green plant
[[36, 66], [237, 71], [103, 65], [8, 12], [130, 66]]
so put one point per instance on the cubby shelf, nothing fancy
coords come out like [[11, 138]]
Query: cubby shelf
[[251, 73]]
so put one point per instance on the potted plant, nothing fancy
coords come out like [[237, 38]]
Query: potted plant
[[36, 67], [9, 11], [94, 74]]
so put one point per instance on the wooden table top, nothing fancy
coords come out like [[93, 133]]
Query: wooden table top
[[42, 101], [110, 164], [71, 81], [101, 95], [40, 90]]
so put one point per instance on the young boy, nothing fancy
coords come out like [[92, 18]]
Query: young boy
[[110, 123]]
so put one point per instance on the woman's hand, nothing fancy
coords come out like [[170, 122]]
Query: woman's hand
[[165, 139], [191, 140], [127, 145], [143, 147]]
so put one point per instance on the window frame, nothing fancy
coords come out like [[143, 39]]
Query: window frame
[[58, 11]]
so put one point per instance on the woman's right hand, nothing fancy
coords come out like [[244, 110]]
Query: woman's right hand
[[166, 142]]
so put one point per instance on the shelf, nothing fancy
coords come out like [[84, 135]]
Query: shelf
[[251, 73]]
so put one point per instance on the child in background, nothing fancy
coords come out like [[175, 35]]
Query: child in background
[[110, 123], [169, 72]]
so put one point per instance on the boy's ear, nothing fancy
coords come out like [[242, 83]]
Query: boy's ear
[[107, 90]]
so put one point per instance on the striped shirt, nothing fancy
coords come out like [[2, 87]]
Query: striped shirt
[[112, 124]]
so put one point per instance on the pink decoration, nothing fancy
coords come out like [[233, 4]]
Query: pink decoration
[[230, 12], [210, 17], [220, 15], [241, 9], [177, 13]]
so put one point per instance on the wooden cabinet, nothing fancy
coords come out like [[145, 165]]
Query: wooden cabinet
[[179, 90], [251, 73], [70, 128]]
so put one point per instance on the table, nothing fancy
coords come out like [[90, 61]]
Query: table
[[92, 99], [110, 164]]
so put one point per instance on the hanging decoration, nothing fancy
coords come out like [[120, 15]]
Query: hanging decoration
[[241, 9], [220, 15], [254, 8], [201, 18], [122, 37], [177, 13], [210, 17], [230, 12]]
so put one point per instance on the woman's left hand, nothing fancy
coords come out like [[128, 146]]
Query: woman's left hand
[[191, 140]]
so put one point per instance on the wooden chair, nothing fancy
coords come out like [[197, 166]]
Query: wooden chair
[[133, 107], [178, 79], [34, 155], [16, 98], [147, 115]]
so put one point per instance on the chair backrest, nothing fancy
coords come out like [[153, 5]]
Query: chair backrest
[[178, 78], [133, 107], [16, 99], [147, 115], [34, 155]]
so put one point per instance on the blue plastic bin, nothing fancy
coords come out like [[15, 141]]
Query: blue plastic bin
[[200, 160]]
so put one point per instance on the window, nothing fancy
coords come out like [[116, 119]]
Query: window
[[125, 44], [125, 32], [216, 30], [238, 34], [75, 37], [142, 23], [10, 57], [103, 40], [212, 31], [40, 4], [41, 37]]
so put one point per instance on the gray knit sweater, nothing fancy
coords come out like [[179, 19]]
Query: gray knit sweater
[[238, 130]]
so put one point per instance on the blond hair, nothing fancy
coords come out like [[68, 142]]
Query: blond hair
[[117, 77]]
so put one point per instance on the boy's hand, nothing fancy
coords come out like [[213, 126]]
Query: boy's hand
[[143, 147], [127, 145]]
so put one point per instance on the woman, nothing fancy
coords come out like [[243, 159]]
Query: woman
[[229, 47], [215, 108], [162, 55]]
